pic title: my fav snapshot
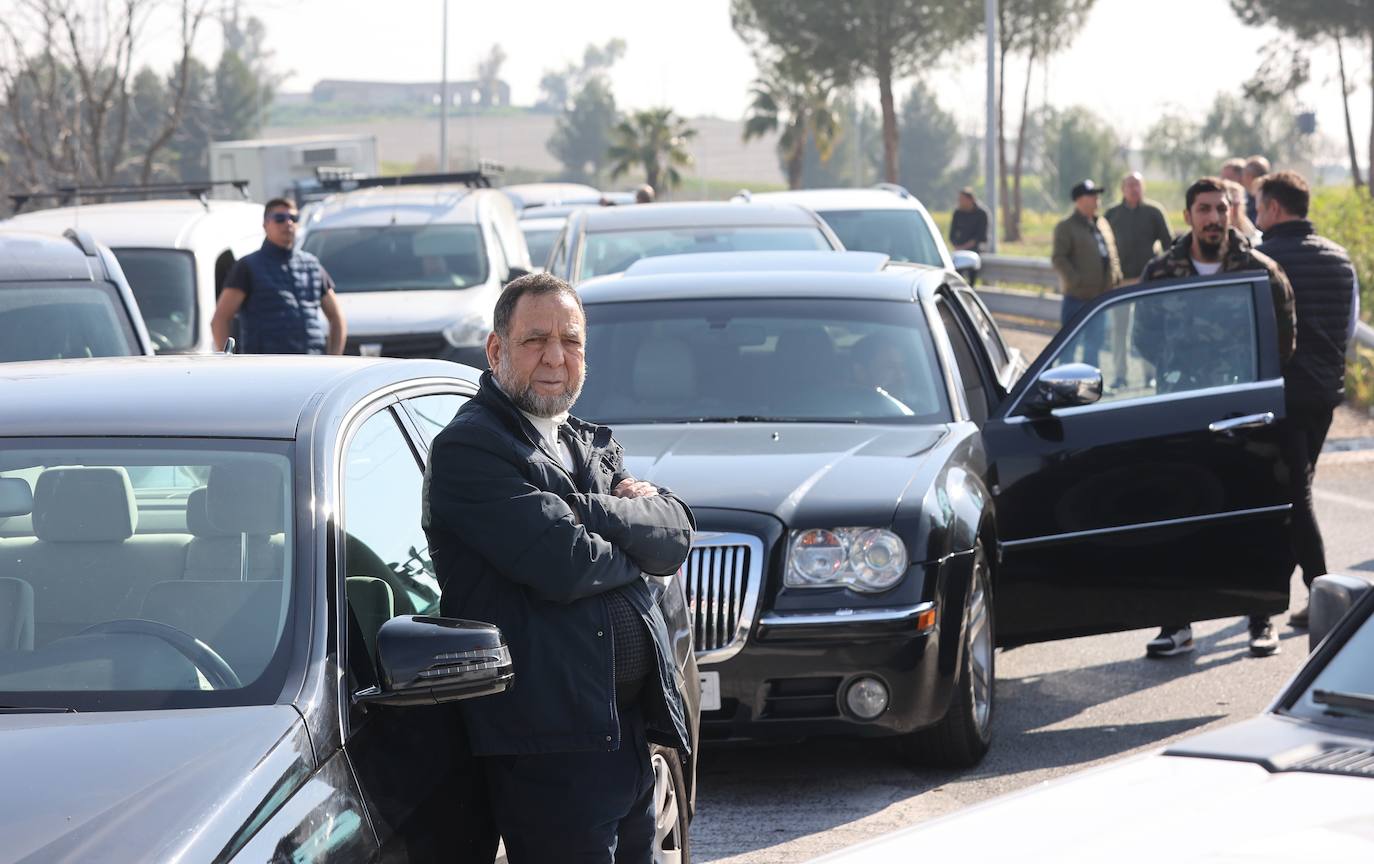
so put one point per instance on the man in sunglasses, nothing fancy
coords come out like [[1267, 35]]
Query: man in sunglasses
[[278, 293]]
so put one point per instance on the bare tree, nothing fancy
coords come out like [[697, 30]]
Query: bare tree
[[67, 105]]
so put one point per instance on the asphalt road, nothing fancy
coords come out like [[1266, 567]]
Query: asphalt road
[[1061, 707]]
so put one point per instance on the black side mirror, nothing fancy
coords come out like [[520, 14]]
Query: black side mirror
[[1065, 387], [425, 661], [515, 273], [1333, 595]]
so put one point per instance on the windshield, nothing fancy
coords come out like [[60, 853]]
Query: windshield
[[902, 235], [540, 241], [1344, 689], [614, 251], [164, 283], [400, 257], [144, 574], [56, 320], [780, 359]]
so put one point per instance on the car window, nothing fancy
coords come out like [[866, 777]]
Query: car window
[[164, 283], [1172, 341], [974, 392], [614, 251], [784, 359], [56, 321], [386, 555], [433, 412], [540, 241], [903, 235], [146, 574], [987, 331], [400, 257]]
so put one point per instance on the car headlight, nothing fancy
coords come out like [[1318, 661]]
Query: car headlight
[[468, 331], [864, 559]]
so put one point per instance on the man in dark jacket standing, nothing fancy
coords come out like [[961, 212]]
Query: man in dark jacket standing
[[1211, 246], [536, 526], [1314, 382]]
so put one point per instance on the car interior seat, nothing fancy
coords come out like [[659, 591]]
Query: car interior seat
[[664, 378], [372, 603], [16, 615], [220, 551], [805, 359]]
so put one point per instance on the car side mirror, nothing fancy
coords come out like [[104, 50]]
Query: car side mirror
[[1065, 387], [966, 261], [1332, 596], [515, 273], [426, 661]]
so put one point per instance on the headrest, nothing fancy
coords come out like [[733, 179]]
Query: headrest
[[84, 505], [664, 369], [198, 516], [16, 498], [803, 344], [245, 499]]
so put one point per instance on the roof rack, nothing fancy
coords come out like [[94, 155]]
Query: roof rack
[[199, 190], [899, 191], [344, 180]]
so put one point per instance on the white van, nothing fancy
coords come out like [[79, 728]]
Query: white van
[[175, 254]]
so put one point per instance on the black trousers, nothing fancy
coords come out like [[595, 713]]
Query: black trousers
[[1304, 432], [594, 806]]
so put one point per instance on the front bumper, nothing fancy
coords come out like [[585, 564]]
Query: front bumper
[[789, 680]]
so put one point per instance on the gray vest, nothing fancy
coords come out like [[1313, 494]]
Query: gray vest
[[282, 312]]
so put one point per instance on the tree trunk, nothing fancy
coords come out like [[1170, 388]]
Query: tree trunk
[[1371, 102], [1014, 205], [1003, 194], [796, 155], [889, 109], [1349, 129]]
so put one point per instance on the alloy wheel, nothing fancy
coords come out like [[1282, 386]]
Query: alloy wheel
[[980, 646], [667, 821]]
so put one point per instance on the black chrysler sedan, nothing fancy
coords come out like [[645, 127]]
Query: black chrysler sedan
[[885, 494], [218, 638]]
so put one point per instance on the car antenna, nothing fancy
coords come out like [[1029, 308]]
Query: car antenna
[[229, 345]]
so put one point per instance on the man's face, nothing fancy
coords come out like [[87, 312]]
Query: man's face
[[1132, 191], [1209, 217], [541, 364], [1087, 205], [965, 202], [280, 226]]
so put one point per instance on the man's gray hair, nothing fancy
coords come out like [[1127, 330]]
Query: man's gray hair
[[534, 284]]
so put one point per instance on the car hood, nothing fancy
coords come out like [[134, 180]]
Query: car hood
[[1144, 810], [796, 471], [386, 313], [139, 785]]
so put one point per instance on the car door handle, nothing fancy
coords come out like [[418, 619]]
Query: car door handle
[[1233, 424]]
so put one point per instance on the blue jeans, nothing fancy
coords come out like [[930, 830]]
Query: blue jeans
[[1090, 337]]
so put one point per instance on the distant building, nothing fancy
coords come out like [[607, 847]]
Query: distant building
[[462, 94]]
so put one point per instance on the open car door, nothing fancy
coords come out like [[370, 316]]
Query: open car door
[[1162, 501]]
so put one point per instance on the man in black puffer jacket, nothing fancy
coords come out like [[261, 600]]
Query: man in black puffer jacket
[[536, 526], [1323, 282]]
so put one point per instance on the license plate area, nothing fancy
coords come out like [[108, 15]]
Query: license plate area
[[710, 691]]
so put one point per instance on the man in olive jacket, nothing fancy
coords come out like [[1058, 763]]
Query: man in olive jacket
[[536, 526], [1085, 256]]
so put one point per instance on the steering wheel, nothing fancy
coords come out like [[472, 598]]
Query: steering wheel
[[161, 340], [206, 659]]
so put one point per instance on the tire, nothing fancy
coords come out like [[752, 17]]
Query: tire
[[962, 737], [671, 820]]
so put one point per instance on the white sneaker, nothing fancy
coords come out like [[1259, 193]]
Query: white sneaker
[[1170, 641]]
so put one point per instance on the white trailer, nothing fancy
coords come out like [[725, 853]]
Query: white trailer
[[274, 166]]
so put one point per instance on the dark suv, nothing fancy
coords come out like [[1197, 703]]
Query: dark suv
[[64, 297]]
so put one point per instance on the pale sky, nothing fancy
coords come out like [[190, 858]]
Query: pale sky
[[1127, 64]]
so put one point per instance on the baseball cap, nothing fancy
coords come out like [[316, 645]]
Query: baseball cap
[[1085, 187]]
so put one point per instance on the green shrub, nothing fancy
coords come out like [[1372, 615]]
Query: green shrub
[[1347, 217]]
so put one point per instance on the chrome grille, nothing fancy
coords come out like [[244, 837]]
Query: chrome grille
[[723, 575]]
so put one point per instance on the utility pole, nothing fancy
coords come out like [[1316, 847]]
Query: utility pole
[[443, 99], [990, 173]]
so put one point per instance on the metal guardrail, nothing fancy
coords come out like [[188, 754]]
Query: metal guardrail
[[1018, 270]]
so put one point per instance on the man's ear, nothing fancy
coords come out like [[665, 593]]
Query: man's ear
[[493, 349]]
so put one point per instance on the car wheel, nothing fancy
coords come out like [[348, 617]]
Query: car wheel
[[961, 738], [671, 845]]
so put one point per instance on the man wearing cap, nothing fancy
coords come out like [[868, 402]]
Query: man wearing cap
[[968, 227], [1085, 256]]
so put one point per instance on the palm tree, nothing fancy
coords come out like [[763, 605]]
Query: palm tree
[[652, 139], [792, 97]]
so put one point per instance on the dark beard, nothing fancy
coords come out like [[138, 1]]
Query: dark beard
[[1210, 251]]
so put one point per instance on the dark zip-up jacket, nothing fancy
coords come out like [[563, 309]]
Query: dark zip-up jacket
[[1323, 282], [520, 542]]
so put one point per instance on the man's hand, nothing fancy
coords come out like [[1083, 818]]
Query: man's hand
[[631, 488]]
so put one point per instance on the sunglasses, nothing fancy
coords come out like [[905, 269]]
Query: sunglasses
[[282, 218]]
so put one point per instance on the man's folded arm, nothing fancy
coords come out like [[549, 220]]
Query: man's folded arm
[[529, 535], [656, 530]]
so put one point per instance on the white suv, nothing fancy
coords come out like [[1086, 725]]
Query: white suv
[[417, 268]]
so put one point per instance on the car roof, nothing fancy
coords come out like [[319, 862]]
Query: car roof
[[545, 223], [840, 199], [533, 195], [401, 205], [792, 275], [212, 395], [742, 262], [32, 256], [694, 215], [163, 224]]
